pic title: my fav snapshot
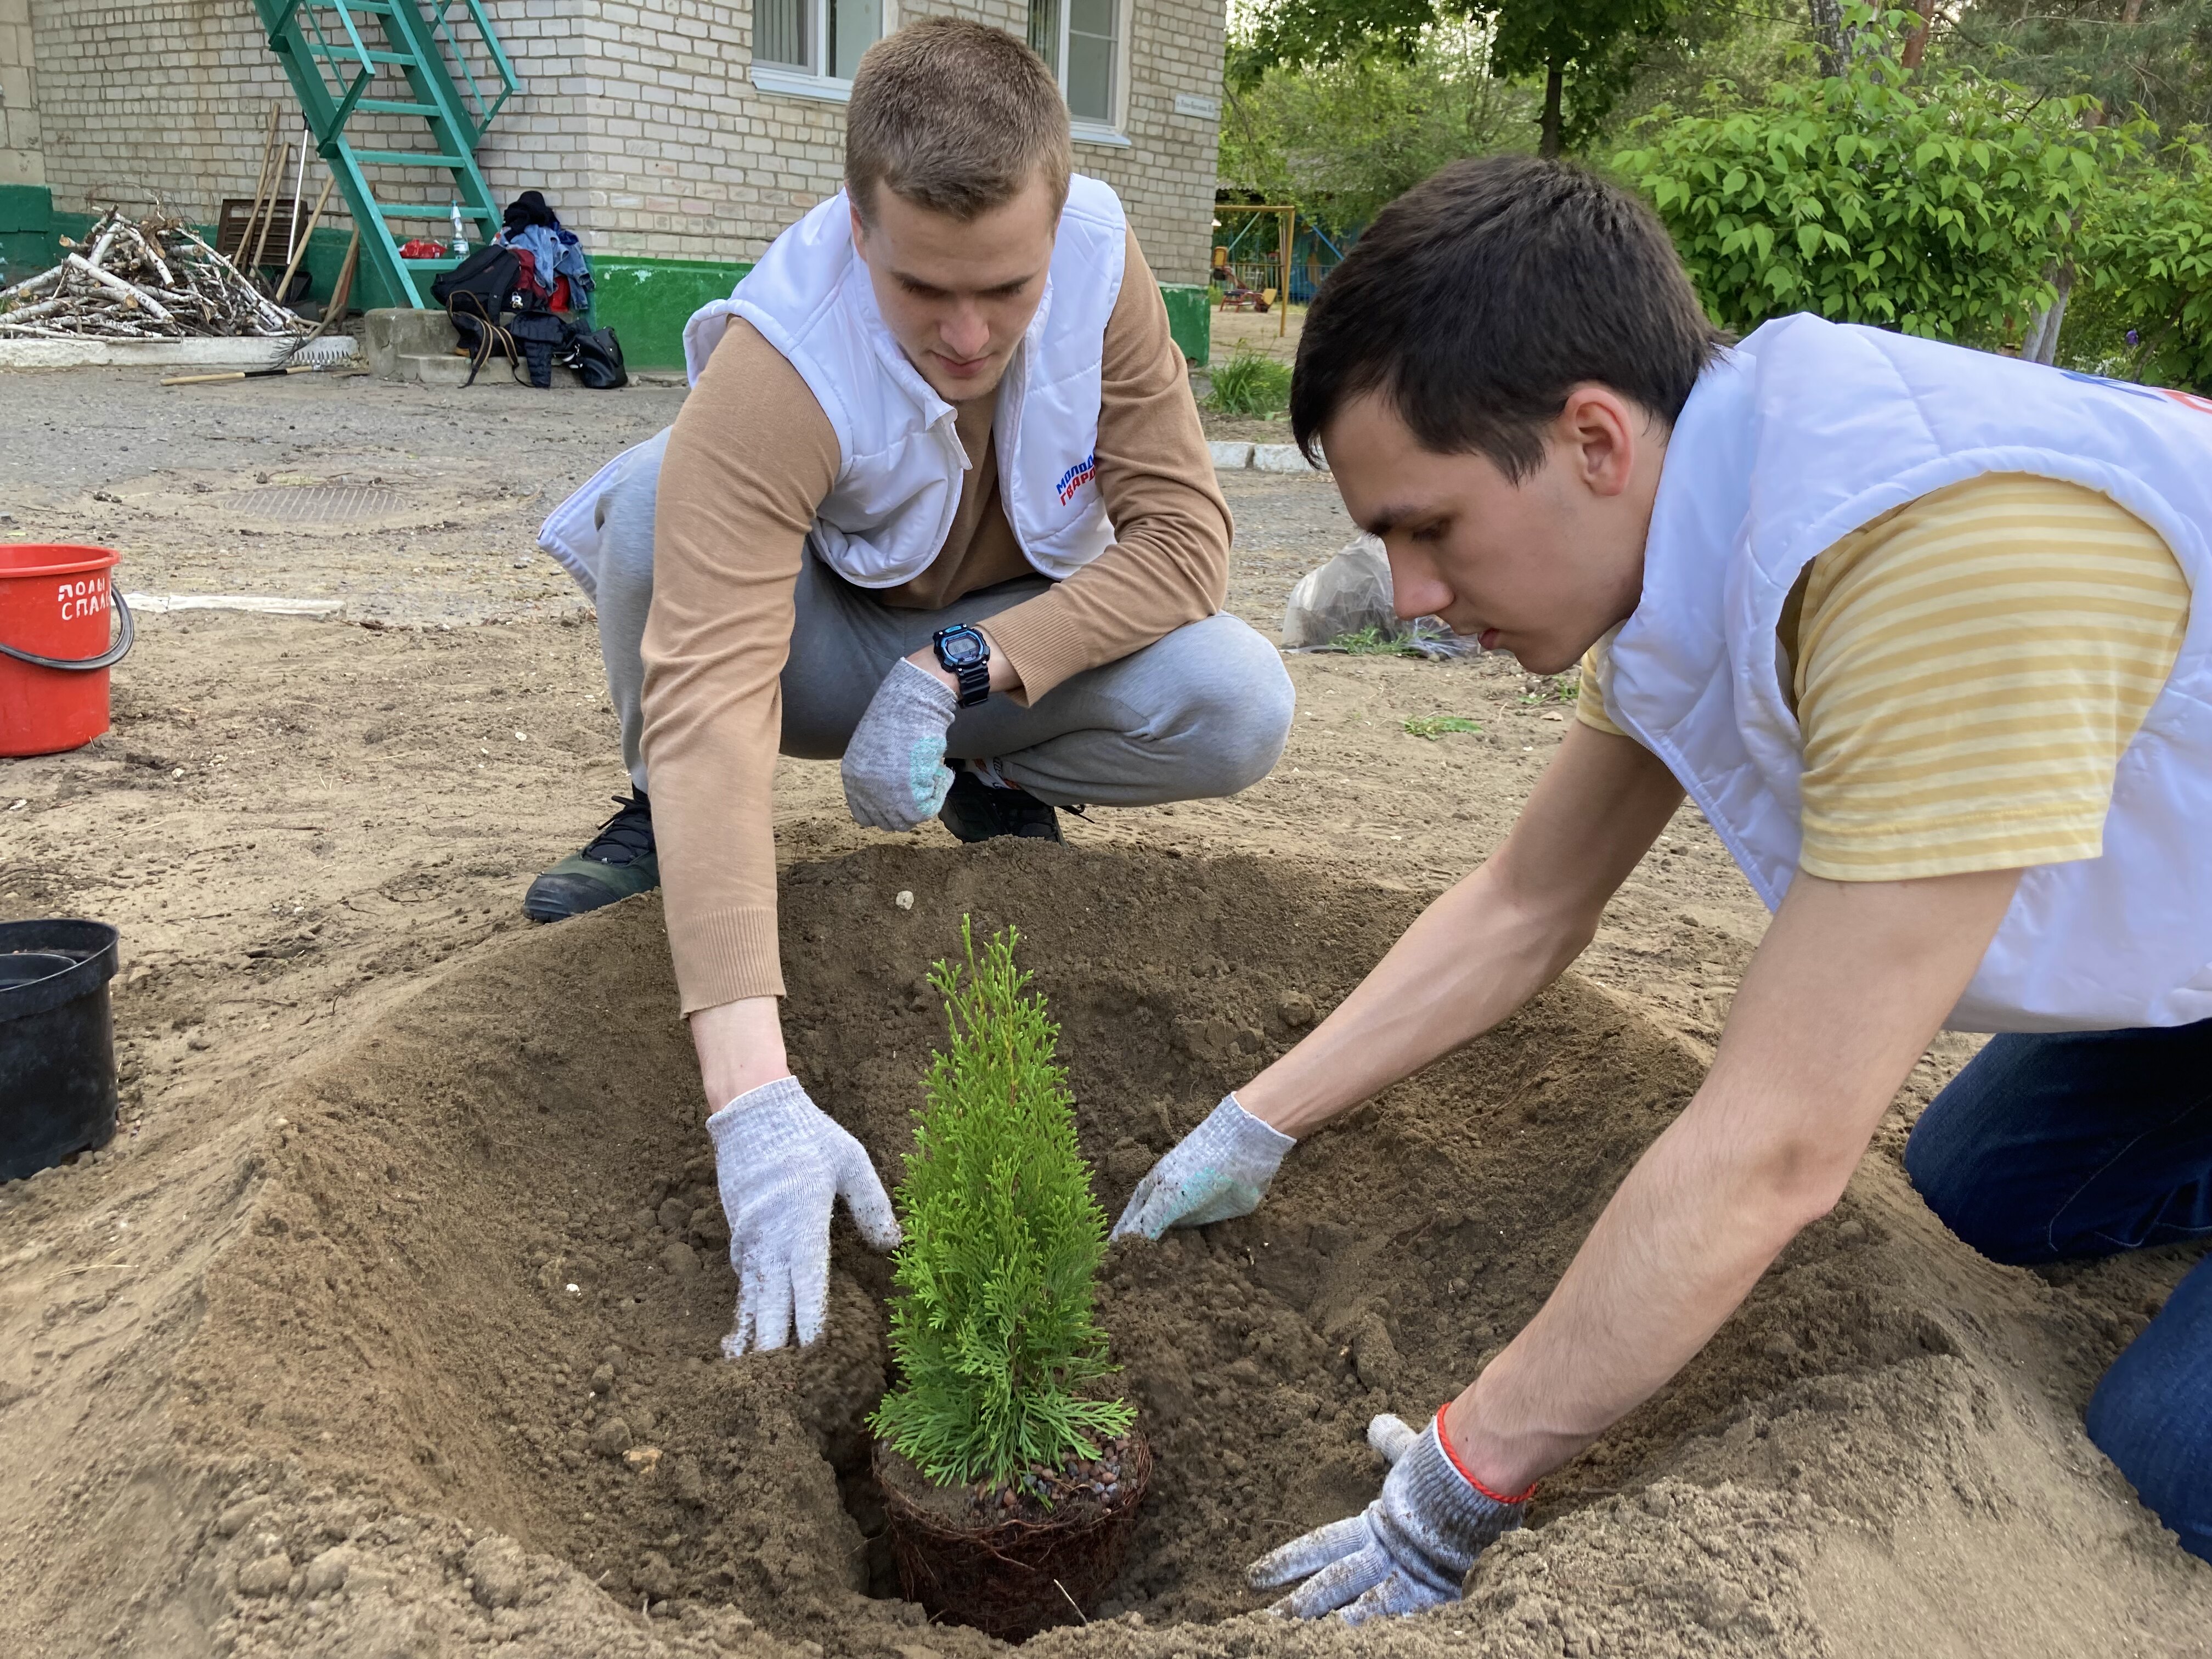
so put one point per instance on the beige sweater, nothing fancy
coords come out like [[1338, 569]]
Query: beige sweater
[[752, 458]]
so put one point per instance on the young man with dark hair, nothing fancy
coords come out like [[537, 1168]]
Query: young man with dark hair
[[938, 500], [1912, 626]]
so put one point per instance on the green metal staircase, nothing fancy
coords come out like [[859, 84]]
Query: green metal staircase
[[435, 61]]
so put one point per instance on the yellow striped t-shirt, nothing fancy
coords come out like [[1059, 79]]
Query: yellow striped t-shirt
[[1967, 671]]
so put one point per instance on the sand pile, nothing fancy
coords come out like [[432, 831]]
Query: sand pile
[[452, 1381]]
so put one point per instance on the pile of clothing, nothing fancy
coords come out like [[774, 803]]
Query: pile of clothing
[[528, 297], [553, 264]]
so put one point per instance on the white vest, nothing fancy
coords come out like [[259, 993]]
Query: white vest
[[1805, 433], [900, 461]]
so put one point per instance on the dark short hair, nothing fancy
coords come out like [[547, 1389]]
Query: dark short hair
[[1478, 299], [954, 116]]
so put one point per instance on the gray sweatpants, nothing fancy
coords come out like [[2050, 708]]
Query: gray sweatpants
[[1202, 713]]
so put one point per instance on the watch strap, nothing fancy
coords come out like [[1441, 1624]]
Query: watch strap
[[974, 678]]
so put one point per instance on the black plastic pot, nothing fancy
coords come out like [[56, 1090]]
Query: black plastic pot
[[57, 1043]]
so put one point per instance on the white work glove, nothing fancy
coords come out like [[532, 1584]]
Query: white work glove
[[894, 767], [781, 1162], [1219, 1169], [1407, 1550]]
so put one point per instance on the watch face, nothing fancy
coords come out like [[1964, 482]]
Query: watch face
[[961, 648]]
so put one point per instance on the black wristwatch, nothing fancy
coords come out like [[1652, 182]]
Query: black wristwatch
[[966, 655]]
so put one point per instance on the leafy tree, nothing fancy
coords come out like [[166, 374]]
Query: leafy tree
[[1590, 48], [1343, 140], [2145, 309], [992, 1322], [1748, 44], [1937, 203], [2149, 56], [1585, 51]]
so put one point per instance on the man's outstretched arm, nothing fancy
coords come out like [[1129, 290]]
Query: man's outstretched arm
[[1476, 954], [1852, 981], [1489, 944]]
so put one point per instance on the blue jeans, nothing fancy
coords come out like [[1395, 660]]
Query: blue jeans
[[2086, 1144]]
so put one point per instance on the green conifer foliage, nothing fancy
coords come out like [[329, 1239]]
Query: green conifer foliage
[[991, 1323]]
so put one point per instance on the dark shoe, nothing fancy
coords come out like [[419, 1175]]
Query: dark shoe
[[620, 861], [973, 811]]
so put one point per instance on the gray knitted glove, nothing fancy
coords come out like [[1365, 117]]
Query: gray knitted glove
[[894, 767], [1219, 1169], [1407, 1550], [781, 1162]]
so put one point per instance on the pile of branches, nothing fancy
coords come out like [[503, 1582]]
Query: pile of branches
[[141, 280]]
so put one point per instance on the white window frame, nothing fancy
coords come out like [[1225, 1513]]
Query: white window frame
[[794, 80], [1083, 129]]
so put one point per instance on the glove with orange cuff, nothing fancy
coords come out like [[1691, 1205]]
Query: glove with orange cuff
[[1407, 1550]]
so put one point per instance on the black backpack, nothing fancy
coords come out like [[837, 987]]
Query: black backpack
[[475, 295], [490, 274]]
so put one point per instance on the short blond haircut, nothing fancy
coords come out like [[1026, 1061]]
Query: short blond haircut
[[955, 117]]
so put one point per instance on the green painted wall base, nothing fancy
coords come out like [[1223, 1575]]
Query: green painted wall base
[[1190, 319], [648, 302], [27, 232]]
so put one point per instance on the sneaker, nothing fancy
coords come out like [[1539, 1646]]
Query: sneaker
[[973, 811], [620, 861]]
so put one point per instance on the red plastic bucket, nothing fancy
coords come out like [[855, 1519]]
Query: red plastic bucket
[[54, 651]]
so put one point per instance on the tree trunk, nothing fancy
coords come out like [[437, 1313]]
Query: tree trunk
[[2041, 345], [1547, 142], [1828, 21], [1915, 39]]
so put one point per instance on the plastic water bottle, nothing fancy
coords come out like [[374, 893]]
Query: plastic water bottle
[[460, 234]]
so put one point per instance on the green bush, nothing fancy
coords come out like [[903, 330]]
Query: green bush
[[1250, 384], [991, 1323], [2145, 263], [1937, 202]]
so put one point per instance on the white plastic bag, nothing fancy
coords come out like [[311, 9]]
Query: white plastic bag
[[1352, 594]]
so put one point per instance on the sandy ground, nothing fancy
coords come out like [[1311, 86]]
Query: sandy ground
[[294, 1366], [1269, 334]]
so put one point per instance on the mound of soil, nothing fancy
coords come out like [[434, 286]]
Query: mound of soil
[[457, 1378]]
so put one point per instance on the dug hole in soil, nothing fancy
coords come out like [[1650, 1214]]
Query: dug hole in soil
[[457, 1379]]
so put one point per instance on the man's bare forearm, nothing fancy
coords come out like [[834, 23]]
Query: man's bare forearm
[[1852, 983], [1487, 945], [1475, 955], [741, 1047]]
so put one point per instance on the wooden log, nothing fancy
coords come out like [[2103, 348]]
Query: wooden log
[[109, 280], [153, 250], [107, 232], [31, 285]]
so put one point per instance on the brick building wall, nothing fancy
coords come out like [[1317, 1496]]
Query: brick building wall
[[22, 161], [637, 118]]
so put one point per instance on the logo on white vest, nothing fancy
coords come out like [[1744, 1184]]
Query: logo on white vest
[[1075, 476]]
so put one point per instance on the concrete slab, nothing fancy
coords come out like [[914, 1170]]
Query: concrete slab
[[444, 370], [389, 335], [1280, 457], [1231, 456], [194, 353]]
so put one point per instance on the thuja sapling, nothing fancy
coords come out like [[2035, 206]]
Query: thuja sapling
[[990, 1319]]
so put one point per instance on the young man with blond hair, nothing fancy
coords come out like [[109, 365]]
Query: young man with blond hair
[[1914, 627], [940, 506]]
